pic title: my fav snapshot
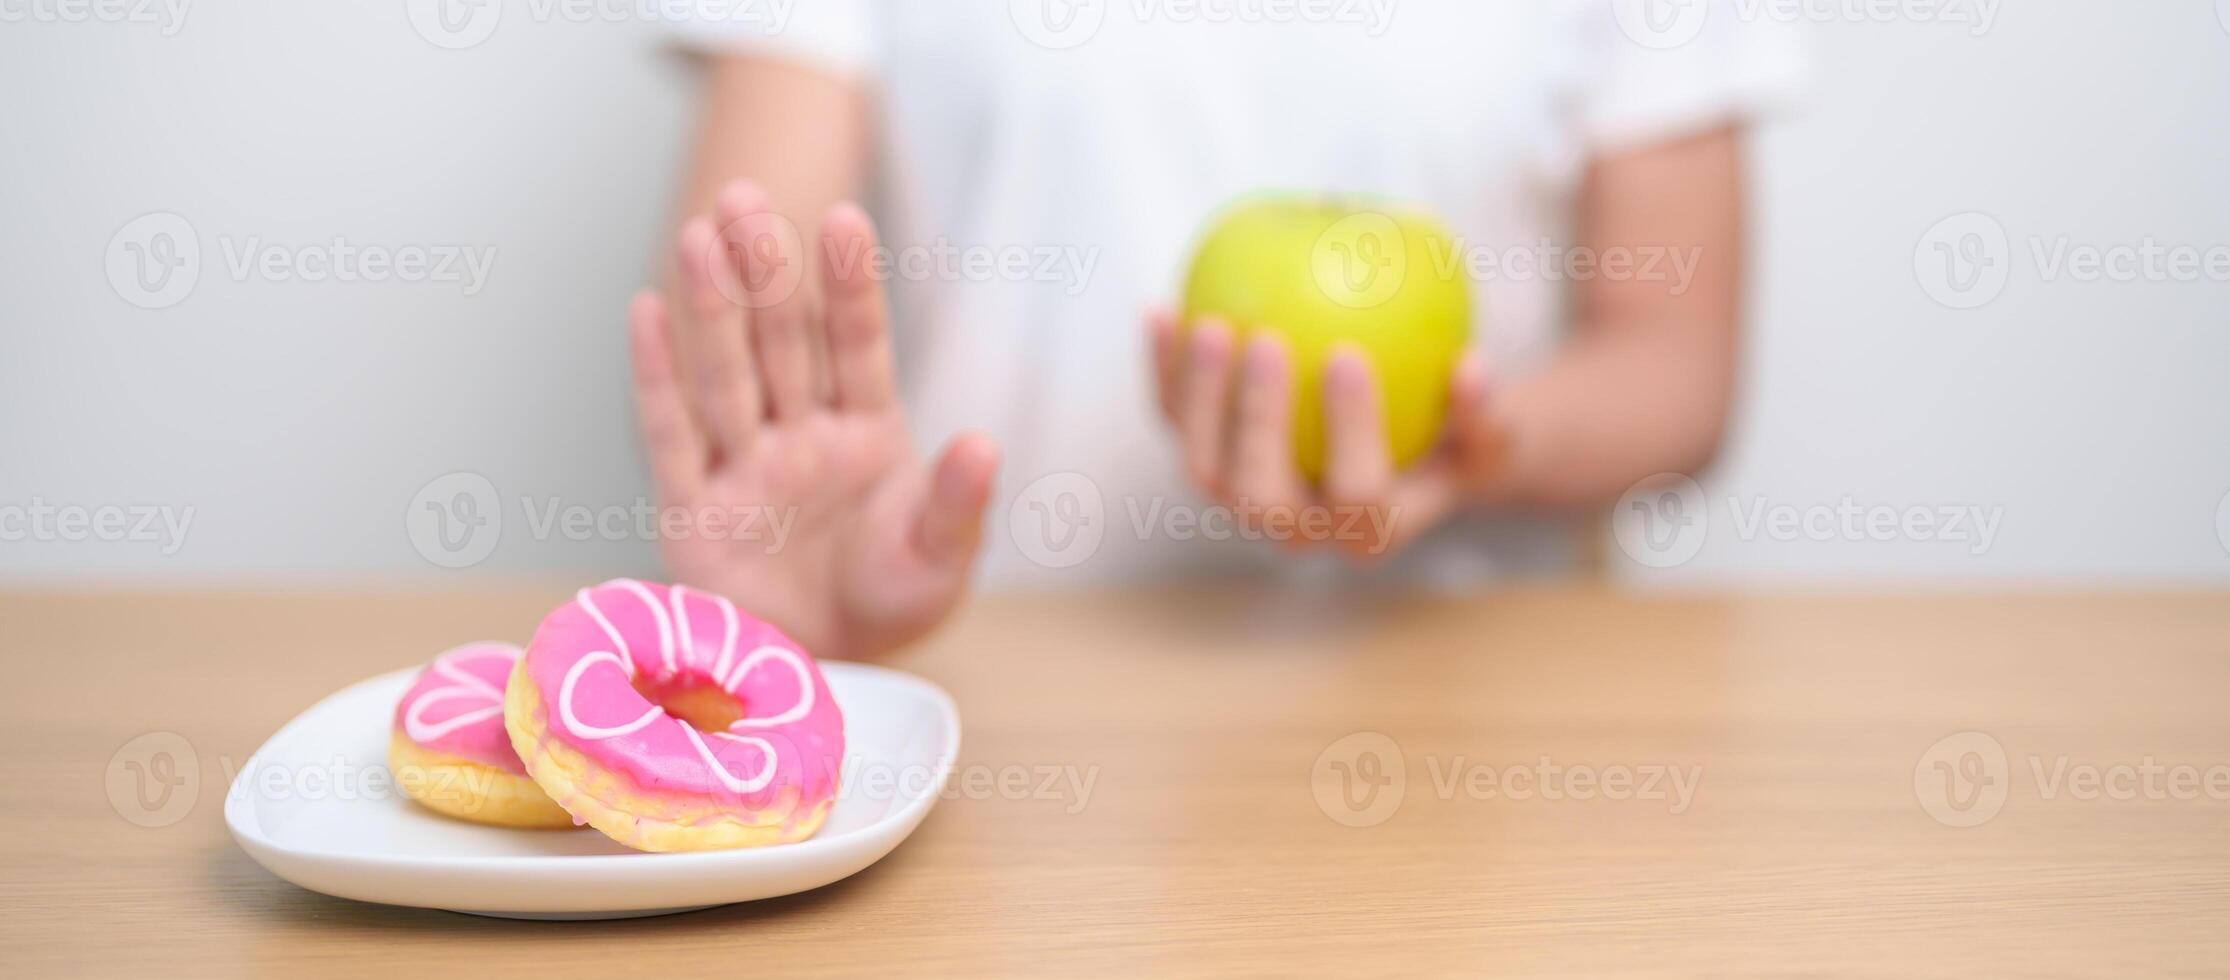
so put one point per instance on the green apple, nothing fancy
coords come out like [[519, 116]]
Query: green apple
[[1322, 272]]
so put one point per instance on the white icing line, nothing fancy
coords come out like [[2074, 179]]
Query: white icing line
[[657, 612], [720, 772], [465, 685], [727, 641], [445, 664], [685, 635], [797, 666], [414, 719], [626, 656], [573, 722]]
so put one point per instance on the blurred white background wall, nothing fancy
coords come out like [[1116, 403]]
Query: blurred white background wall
[[2083, 419]]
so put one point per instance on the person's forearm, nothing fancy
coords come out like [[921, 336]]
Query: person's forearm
[[1616, 408], [1646, 384], [800, 133]]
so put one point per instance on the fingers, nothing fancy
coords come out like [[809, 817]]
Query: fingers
[[1161, 332], [726, 385], [769, 261], [858, 317], [1358, 467], [951, 523], [1238, 443], [1467, 390], [670, 440], [1205, 403], [1262, 472], [1478, 441], [1417, 501], [1359, 477]]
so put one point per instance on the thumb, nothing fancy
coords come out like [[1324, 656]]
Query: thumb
[[1473, 431], [951, 521], [1467, 391]]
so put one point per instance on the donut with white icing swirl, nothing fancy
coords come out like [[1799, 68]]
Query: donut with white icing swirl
[[672, 721]]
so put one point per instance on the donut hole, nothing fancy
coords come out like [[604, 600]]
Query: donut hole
[[703, 706]]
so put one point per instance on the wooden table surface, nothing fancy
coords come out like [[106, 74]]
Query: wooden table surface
[[1211, 769]]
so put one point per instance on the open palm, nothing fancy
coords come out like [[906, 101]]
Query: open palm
[[786, 476]]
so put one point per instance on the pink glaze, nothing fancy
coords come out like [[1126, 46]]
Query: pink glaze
[[455, 707], [790, 740]]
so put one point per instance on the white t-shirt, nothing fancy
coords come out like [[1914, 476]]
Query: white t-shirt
[[1046, 166]]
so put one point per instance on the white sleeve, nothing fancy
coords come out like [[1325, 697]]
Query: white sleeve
[[833, 35], [1661, 69]]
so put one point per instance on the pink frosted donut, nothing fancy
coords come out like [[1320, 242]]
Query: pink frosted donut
[[671, 722], [450, 751]]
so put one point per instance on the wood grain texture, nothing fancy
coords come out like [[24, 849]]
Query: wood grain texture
[[1201, 846]]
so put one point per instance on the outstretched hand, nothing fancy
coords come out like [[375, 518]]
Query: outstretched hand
[[783, 412]]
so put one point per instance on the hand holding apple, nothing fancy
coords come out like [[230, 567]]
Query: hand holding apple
[[1278, 420], [1321, 273]]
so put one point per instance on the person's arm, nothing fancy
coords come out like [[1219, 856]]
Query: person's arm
[[1646, 383], [800, 133], [1643, 388]]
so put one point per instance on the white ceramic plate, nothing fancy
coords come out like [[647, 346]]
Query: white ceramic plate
[[315, 805]]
